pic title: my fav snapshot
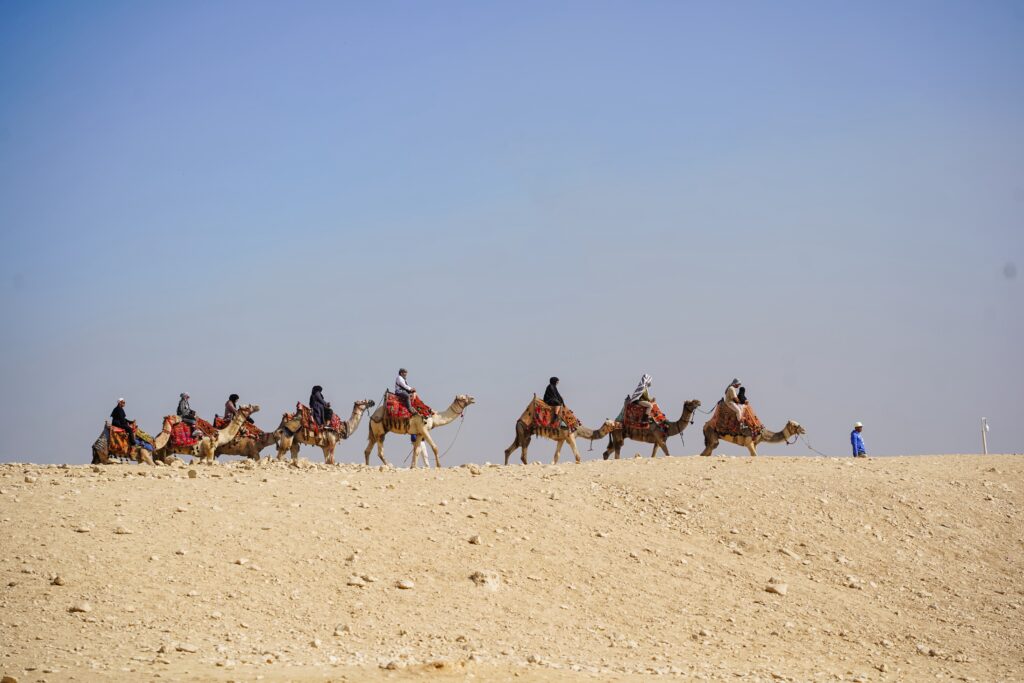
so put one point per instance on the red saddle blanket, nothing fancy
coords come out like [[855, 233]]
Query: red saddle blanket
[[248, 430], [540, 414], [205, 427], [725, 421], [396, 410], [181, 435], [117, 441], [634, 415]]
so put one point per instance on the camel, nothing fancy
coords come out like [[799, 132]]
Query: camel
[[653, 434], [712, 437], [101, 451], [560, 435], [247, 446], [205, 449], [380, 425], [290, 434]]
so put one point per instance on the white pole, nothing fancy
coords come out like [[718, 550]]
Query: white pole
[[984, 435]]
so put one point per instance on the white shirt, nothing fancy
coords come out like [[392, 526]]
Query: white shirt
[[401, 384]]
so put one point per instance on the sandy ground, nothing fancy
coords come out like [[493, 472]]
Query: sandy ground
[[889, 569]]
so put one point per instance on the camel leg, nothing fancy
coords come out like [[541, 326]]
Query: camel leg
[[511, 449], [369, 447], [710, 442], [572, 444], [752, 447], [430, 442], [524, 444], [558, 449]]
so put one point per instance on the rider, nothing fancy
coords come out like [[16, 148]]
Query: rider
[[187, 415], [231, 407], [320, 408], [554, 399], [641, 396], [403, 391], [119, 419], [733, 403]]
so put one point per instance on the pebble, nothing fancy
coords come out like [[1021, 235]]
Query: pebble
[[242, 561], [474, 470], [474, 539], [342, 629], [80, 607], [356, 581], [122, 531], [405, 584], [186, 647], [777, 588], [31, 480], [83, 530], [192, 474], [58, 580], [486, 579]]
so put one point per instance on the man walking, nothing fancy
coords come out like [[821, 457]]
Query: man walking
[[857, 441]]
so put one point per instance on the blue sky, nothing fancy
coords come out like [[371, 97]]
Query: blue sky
[[824, 199]]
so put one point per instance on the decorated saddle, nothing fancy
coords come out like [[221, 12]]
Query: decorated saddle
[[540, 414], [633, 416], [306, 420], [181, 435], [117, 441], [396, 410], [248, 430], [724, 421]]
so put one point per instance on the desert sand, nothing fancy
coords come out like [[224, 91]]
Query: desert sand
[[722, 568]]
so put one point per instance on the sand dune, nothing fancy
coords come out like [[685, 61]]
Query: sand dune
[[699, 568]]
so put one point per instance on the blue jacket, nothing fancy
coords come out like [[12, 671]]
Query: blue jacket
[[858, 443]]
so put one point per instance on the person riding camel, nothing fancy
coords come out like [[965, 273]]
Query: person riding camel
[[320, 408], [119, 419], [187, 415], [641, 396], [231, 407], [554, 399], [403, 391], [733, 392]]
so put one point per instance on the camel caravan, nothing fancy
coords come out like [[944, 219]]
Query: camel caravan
[[401, 411]]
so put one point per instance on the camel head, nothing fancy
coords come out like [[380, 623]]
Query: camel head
[[463, 400], [794, 428], [691, 405], [365, 404], [607, 427], [249, 409]]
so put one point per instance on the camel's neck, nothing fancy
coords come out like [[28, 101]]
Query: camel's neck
[[353, 421], [679, 425], [453, 411], [266, 438], [776, 437], [591, 434], [164, 436], [231, 431]]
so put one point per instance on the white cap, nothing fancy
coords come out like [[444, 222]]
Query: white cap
[[857, 424], [120, 399]]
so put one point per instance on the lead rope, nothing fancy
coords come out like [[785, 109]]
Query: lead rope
[[808, 444]]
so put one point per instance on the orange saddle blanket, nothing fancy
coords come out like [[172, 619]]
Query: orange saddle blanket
[[396, 410], [117, 441], [724, 420]]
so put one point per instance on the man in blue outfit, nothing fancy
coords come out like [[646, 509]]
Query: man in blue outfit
[[857, 441]]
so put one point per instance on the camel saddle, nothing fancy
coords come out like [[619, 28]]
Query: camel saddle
[[181, 435], [396, 410], [724, 421], [308, 423], [633, 416], [117, 441], [248, 430], [540, 414]]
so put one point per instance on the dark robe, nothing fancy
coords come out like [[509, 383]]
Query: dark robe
[[318, 406], [552, 397], [119, 419]]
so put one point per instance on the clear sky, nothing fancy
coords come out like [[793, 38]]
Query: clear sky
[[823, 199]]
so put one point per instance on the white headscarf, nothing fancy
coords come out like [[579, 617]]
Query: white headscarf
[[645, 384]]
